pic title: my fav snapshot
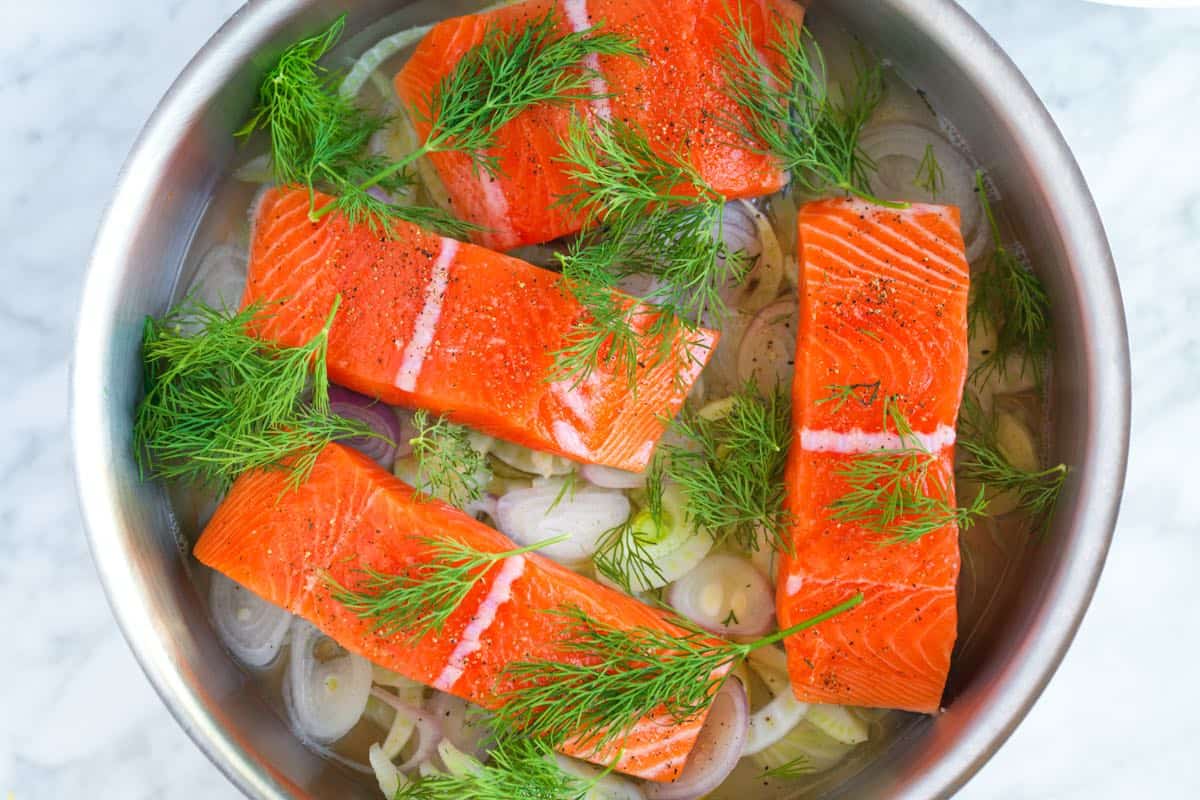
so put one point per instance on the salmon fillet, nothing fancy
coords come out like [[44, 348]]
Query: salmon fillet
[[433, 323], [351, 515], [674, 95], [883, 299]]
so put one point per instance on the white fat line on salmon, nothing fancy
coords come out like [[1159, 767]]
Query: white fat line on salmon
[[577, 399], [568, 437], [577, 17], [857, 440], [485, 615], [497, 206], [426, 322]]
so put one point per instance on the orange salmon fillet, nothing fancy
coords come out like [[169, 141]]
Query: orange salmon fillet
[[883, 299], [434, 323], [674, 95], [351, 515]]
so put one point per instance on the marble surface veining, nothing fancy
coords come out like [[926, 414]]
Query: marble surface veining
[[78, 719]]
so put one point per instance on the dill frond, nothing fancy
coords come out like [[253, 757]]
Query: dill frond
[[219, 402], [447, 463], [787, 113]]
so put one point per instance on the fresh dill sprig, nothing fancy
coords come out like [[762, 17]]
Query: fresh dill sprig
[[1037, 491], [797, 767], [842, 393], [657, 218], [624, 675], [901, 492], [929, 174], [730, 468], [448, 464], [506, 73], [789, 113], [419, 602], [623, 556], [1009, 296], [219, 402], [319, 139], [517, 769]]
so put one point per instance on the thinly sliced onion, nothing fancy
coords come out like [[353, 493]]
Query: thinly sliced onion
[[805, 741], [721, 375], [324, 698], [220, 279], [378, 416], [612, 478], [387, 776], [371, 60], [898, 148], [253, 629], [552, 508], [747, 229], [456, 761], [783, 211], [604, 785], [725, 594], [460, 722], [533, 462], [767, 354], [838, 722], [783, 712], [426, 728], [717, 750]]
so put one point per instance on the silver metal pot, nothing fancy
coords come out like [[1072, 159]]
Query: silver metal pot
[[169, 181]]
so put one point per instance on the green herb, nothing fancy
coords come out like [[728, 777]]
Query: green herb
[[798, 767], [657, 218], [788, 111], [730, 468], [730, 619], [623, 554], [929, 174], [1009, 297], [901, 493], [842, 393], [420, 601], [319, 139], [625, 675], [219, 402], [448, 465], [1037, 491], [509, 71], [518, 769]]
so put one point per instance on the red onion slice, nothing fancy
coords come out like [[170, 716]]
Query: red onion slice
[[717, 750], [725, 594], [380, 417], [767, 354], [428, 732]]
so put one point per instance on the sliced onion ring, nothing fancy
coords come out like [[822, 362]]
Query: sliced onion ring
[[767, 354], [725, 594], [460, 722], [717, 750], [552, 508], [253, 629], [379, 417], [324, 699], [898, 148]]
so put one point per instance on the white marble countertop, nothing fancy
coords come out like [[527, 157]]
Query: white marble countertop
[[78, 719]]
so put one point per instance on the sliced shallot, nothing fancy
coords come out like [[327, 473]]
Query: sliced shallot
[[767, 354], [425, 727], [717, 750], [552, 508], [611, 477], [725, 594], [325, 697], [379, 417], [253, 629]]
